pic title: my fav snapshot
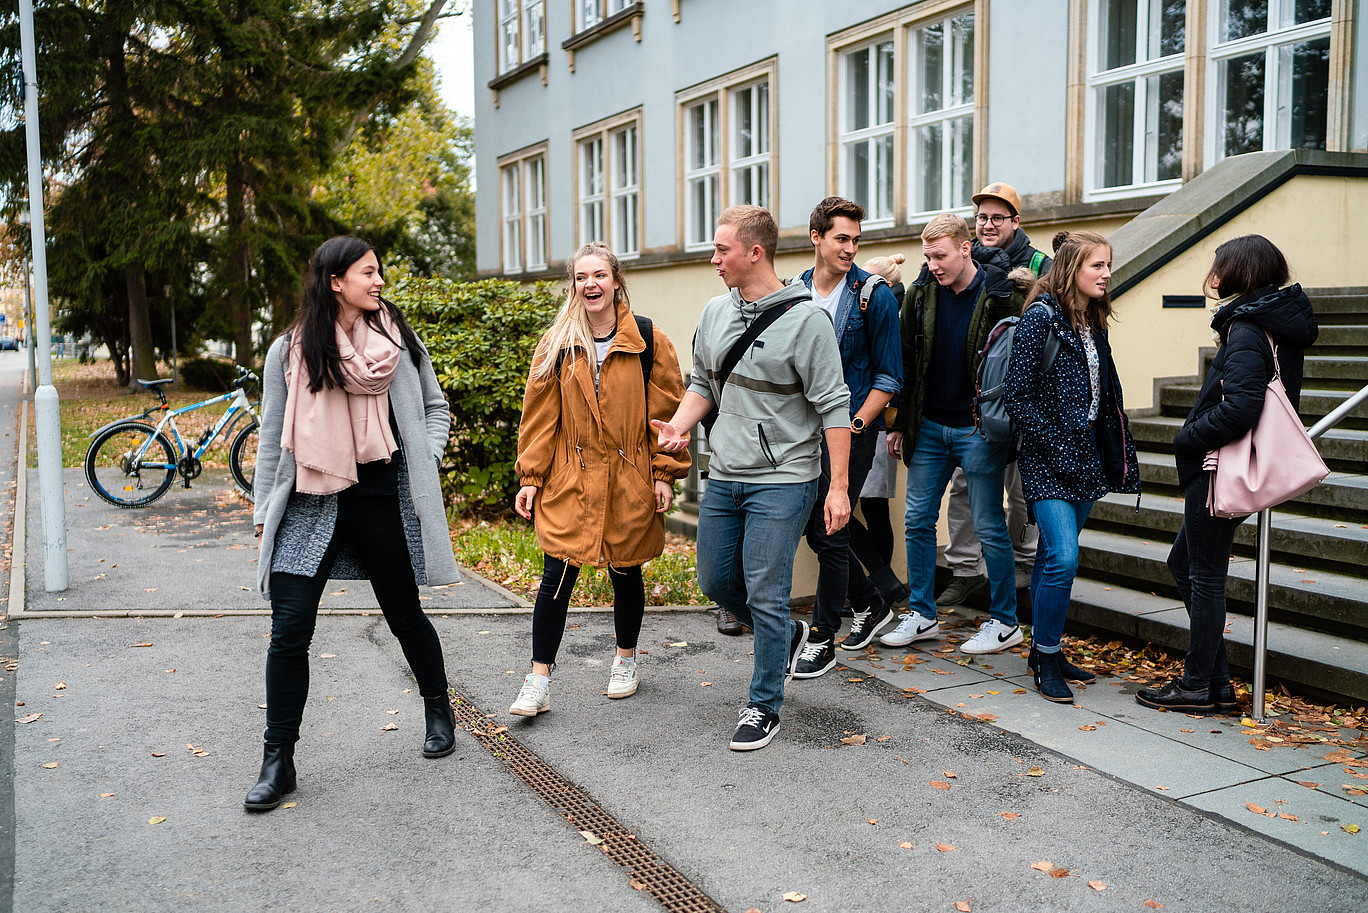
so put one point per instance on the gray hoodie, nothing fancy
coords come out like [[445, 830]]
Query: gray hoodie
[[784, 392]]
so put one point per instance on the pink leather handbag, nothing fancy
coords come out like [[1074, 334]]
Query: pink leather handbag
[[1275, 462]]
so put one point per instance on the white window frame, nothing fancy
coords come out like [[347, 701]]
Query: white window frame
[[954, 111], [589, 13], [520, 34], [523, 218], [696, 228], [871, 135], [756, 163], [1137, 74], [1277, 83], [609, 201]]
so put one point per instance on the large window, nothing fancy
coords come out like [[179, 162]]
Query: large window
[[522, 32], [608, 182], [522, 210], [728, 149], [867, 127], [941, 121], [1135, 99], [589, 13], [1269, 76]]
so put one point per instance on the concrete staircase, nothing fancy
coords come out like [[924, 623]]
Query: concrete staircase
[[1318, 598]]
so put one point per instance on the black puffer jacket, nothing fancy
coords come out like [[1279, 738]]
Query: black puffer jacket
[[1231, 398]]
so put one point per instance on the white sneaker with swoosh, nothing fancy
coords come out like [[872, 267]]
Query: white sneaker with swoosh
[[992, 637]]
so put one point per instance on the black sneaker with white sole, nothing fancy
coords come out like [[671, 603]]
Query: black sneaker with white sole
[[755, 727], [866, 624], [797, 644], [818, 658]]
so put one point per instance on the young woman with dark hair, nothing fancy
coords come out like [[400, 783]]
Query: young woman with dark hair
[[1247, 277], [1076, 444], [595, 482], [353, 429]]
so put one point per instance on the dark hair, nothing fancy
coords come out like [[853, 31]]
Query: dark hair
[[1072, 249], [314, 325], [825, 213], [1243, 265]]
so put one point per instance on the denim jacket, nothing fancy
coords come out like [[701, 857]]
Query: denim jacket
[[871, 348]]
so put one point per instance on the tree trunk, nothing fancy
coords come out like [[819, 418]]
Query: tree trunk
[[239, 264], [142, 360]]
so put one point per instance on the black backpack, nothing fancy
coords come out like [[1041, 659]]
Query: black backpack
[[990, 383]]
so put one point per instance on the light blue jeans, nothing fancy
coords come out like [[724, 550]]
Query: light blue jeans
[[940, 449], [1056, 565], [747, 536]]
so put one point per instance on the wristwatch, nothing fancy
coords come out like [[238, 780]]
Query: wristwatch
[[857, 425]]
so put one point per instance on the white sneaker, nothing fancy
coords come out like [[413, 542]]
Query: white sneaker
[[623, 680], [992, 637], [534, 698], [911, 626]]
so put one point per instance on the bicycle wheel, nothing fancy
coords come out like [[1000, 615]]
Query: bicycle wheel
[[242, 459], [130, 464]]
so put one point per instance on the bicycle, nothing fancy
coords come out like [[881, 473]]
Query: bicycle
[[131, 463]]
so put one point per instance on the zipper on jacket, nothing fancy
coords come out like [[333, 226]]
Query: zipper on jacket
[[765, 447]]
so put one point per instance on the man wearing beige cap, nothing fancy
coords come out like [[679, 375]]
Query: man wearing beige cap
[[996, 224]]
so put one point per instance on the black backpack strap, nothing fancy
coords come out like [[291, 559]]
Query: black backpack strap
[[1051, 350], [647, 354], [738, 349]]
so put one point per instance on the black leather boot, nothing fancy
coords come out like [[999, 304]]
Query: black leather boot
[[1049, 679], [1174, 696], [441, 727], [1223, 697], [1072, 673], [277, 778]]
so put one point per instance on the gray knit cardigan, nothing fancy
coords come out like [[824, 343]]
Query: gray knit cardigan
[[304, 523]]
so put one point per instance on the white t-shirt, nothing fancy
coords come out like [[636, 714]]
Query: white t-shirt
[[601, 347], [830, 302]]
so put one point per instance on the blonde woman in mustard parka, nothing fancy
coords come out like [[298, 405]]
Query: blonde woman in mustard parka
[[594, 482]]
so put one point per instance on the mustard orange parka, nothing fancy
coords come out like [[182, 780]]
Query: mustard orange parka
[[594, 456]]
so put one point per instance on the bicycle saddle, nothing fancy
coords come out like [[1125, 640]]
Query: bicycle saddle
[[152, 384]]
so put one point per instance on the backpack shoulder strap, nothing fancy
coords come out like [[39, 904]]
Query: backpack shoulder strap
[[867, 289], [1051, 350], [647, 330], [1037, 261]]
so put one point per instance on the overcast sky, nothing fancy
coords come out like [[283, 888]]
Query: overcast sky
[[451, 52]]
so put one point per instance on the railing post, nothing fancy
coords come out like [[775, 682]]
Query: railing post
[[1261, 611]]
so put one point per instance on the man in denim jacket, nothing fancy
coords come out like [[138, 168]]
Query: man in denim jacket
[[866, 327]]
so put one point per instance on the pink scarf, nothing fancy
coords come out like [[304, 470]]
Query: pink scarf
[[330, 431]]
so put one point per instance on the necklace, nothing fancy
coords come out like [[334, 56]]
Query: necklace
[[605, 332]]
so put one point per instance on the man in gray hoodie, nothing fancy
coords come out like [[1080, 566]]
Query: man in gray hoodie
[[784, 395]]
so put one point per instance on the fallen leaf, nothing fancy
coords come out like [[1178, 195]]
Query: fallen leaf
[[1018, 690], [854, 740], [1162, 788], [1010, 816], [106, 795], [157, 820], [682, 643], [1349, 828], [327, 656], [986, 717], [1154, 905], [289, 805], [854, 679], [1186, 730], [1308, 784], [873, 820], [962, 906], [49, 765], [637, 885], [950, 775], [147, 644], [883, 738], [1098, 885], [704, 684], [1059, 873], [1286, 817], [158, 754], [1088, 728], [794, 897], [1354, 790], [388, 727], [940, 784], [1036, 772], [30, 718], [1042, 866], [948, 847], [1256, 809], [906, 846], [60, 686], [591, 838]]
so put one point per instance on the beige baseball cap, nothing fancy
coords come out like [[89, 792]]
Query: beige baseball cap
[[1004, 192]]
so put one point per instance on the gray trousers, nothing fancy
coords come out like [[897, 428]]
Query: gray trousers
[[963, 554]]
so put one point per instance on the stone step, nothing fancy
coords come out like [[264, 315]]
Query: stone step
[[1341, 338], [1336, 301], [1342, 448], [1342, 495], [1332, 666], [1315, 404], [1319, 599], [1310, 541], [1342, 368]]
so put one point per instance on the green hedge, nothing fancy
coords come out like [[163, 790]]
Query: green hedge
[[481, 336]]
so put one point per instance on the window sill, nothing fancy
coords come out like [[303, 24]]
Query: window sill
[[534, 65], [1130, 191], [631, 15]]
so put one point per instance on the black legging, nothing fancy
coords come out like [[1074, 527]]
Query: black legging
[[872, 542], [370, 524], [553, 602]]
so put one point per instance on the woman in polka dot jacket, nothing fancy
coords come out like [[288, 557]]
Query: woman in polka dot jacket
[[1075, 441]]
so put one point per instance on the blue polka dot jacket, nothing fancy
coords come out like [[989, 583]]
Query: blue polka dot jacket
[[1058, 458]]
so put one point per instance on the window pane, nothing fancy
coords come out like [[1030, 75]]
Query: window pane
[[698, 137], [961, 161], [589, 13], [857, 89], [624, 224], [1309, 10], [762, 140], [536, 184], [962, 29], [1244, 104], [624, 142], [711, 108], [931, 41], [1166, 127], [533, 22], [1310, 64], [885, 85], [1116, 140], [857, 168], [536, 241], [1241, 18], [883, 207], [929, 172], [1118, 27], [508, 34], [745, 127], [761, 182]]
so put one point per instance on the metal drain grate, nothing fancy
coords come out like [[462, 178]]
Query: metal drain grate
[[647, 871]]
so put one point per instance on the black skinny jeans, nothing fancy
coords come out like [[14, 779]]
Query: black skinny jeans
[[370, 524], [553, 602], [1200, 562], [872, 541], [838, 572]]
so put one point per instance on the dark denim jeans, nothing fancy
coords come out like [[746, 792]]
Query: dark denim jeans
[[1199, 562], [1056, 565], [838, 571], [747, 534], [370, 524]]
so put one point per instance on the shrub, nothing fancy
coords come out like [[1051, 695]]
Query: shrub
[[212, 375], [480, 336]]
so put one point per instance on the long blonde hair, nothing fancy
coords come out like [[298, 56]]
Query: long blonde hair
[[571, 329]]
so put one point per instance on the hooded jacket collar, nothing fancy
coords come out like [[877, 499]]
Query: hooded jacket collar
[[1285, 314], [794, 291]]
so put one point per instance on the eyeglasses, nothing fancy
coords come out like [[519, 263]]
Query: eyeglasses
[[983, 219]]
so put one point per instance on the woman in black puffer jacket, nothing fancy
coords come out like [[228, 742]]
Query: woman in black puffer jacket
[[1248, 274]]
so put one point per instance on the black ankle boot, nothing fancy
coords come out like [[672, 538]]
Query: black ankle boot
[[1175, 696], [1071, 672], [441, 727], [1223, 697], [1049, 679], [277, 778]]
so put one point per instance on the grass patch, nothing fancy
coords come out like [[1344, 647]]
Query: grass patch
[[506, 552]]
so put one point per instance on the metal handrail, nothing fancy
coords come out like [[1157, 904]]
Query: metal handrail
[[1261, 561]]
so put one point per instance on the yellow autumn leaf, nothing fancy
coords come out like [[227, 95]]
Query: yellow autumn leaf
[[794, 897], [157, 820]]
